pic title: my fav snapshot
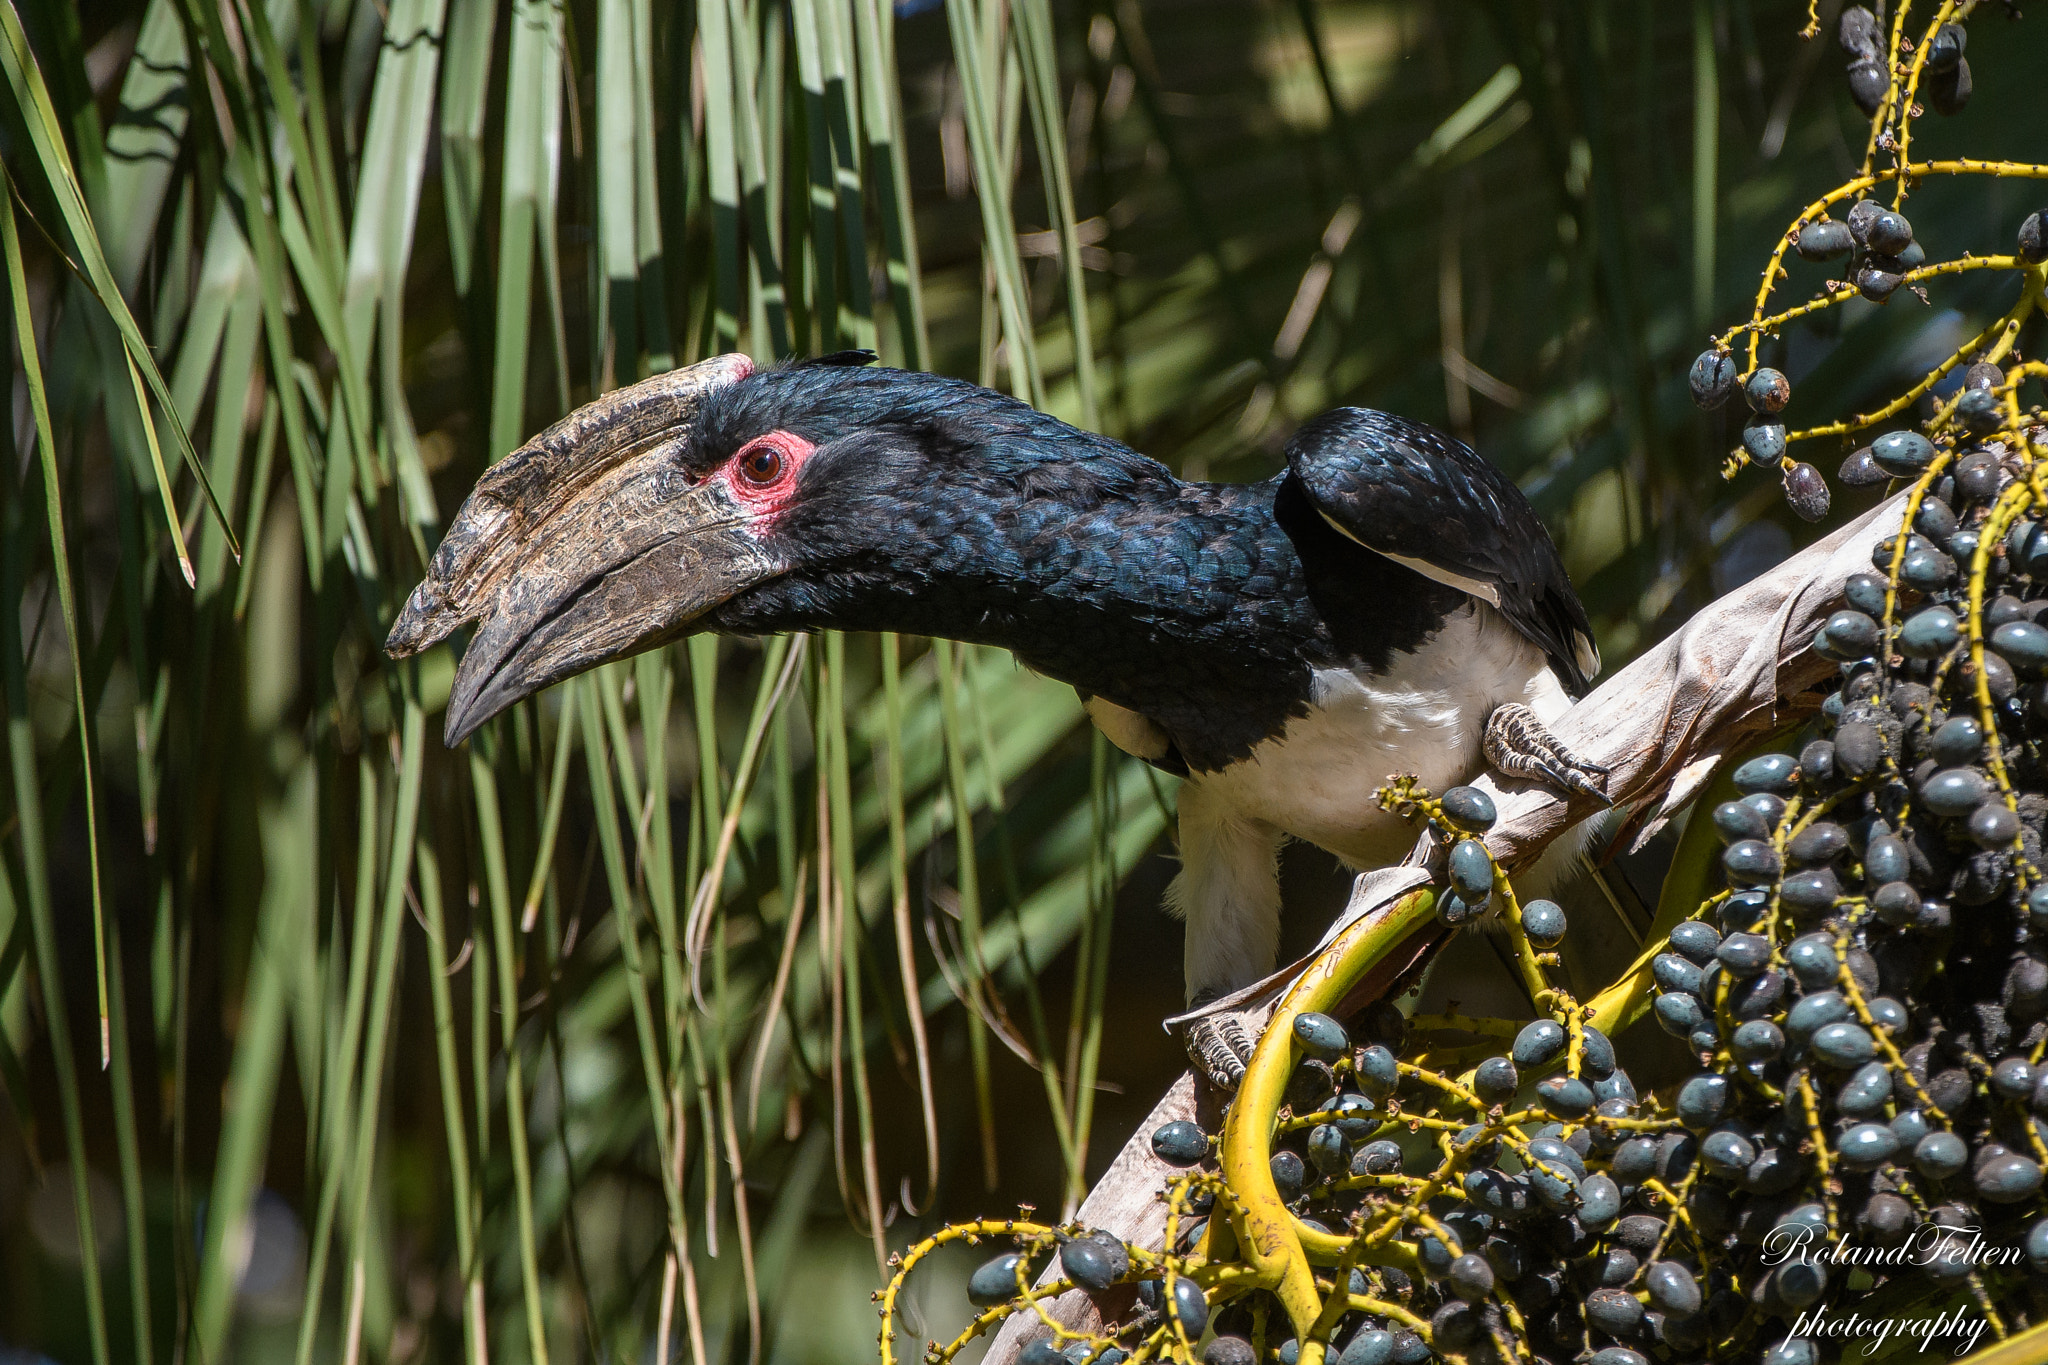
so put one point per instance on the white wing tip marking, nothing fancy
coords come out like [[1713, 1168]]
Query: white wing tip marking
[[1488, 593], [1586, 654]]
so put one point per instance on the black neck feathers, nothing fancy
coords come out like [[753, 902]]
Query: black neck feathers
[[940, 509]]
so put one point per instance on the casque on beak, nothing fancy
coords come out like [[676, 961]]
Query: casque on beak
[[590, 542]]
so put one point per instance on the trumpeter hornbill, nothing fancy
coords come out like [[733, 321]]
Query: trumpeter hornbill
[[1388, 604]]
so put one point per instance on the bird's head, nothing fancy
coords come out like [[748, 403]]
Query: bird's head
[[713, 497]]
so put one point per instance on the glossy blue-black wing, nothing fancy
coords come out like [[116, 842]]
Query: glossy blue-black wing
[[1427, 501]]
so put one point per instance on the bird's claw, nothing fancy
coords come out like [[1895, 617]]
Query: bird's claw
[[1219, 1045], [1518, 744]]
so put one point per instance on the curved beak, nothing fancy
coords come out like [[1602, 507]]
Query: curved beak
[[586, 544]]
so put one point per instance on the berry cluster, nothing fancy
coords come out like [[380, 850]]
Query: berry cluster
[[1474, 1208], [1944, 71], [1890, 74], [1436, 1196]]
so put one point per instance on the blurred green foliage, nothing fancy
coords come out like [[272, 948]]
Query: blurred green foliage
[[745, 952]]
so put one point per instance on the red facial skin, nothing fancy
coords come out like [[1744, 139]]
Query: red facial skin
[[762, 475]]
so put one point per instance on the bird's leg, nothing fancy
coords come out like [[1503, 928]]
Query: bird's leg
[[1228, 891], [1519, 745], [1219, 1046]]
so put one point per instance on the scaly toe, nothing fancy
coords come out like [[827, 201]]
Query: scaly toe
[[1585, 786], [1519, 744], [1220, 1048]]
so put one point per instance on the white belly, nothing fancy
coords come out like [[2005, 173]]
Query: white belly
[[1425, 715]]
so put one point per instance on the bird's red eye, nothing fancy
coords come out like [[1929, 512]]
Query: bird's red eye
[[761, 464], [763, 471]]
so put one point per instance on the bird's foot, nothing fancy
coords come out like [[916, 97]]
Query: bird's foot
[[1519, 745], [1219, 1045]]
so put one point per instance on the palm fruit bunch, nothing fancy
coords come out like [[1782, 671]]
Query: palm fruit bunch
[[1945, 75], [1492, 1194], [1874, 1017], [1459, 1201], [1895, 74], [1360, 1137], [1880, 243], [1714, 378]]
